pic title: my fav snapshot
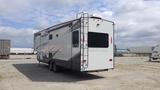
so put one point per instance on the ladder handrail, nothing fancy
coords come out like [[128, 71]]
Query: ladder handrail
[[84, 28], [82, 15]]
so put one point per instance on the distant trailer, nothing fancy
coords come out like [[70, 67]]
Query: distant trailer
[[155, 55], [82, 44], [4, 49]]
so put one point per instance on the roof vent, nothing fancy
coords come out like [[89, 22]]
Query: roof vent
[[96, 16]]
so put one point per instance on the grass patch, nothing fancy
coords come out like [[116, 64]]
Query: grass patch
[[0, 77]]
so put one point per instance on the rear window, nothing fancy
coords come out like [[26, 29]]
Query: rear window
[[97, 40]]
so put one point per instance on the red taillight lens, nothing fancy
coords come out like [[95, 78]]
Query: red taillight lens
[[111, 40]]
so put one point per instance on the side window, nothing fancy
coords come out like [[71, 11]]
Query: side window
[[50, 55], [75, 38], [50, 37]]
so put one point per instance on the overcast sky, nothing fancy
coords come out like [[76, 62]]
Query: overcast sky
[[137, 22]]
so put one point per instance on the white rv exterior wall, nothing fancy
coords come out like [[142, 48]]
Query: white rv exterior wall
[[62, 43]]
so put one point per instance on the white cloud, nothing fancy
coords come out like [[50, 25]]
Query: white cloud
[[18, 37], [13, 8]]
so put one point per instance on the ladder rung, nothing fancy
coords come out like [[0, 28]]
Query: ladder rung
[[85, 22], [85, 18], [84, 50], [84, 55], [85, 26], [84, 33], [84, 47]]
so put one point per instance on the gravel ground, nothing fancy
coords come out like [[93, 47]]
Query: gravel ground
[[130, 73]]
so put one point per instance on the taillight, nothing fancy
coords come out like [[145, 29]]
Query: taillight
[[111, 40]]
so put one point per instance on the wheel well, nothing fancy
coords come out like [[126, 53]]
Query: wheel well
[[51, 60]]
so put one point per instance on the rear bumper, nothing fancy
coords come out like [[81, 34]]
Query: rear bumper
[[155, 57], [98, 70]]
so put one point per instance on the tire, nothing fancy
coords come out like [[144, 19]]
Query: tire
[[55, 67], [150, 59], [51, 66], [38, 57]]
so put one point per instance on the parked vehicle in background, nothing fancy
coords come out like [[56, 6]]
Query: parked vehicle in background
[[4, 48], [155, 56], [82, 44]]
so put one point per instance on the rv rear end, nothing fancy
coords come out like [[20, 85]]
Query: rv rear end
[[99, 42]]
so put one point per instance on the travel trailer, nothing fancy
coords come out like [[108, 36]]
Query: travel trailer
[[83, 44], [4, 48]]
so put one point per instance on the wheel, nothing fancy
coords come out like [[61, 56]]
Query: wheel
[[38, 57], [55, 68], [150, 59], [51, 66]]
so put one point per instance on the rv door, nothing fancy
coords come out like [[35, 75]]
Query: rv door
[[75, 60], [75, 43]]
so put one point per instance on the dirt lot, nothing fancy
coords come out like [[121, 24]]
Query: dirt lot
[[130, 73]]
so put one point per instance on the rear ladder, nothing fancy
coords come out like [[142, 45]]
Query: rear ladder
[[84, 39]]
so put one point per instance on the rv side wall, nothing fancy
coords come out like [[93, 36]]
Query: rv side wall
[[57, 45]]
